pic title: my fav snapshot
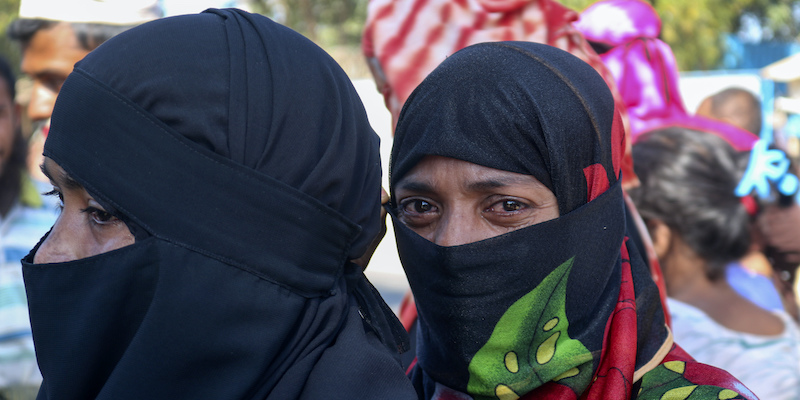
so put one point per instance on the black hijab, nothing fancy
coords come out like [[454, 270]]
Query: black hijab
[[242, 158], [560, 309], [479, 118]]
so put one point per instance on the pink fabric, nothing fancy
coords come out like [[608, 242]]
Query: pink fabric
[[740, 139], [645, 70], [647, 77], [409, 38], [616, 22]]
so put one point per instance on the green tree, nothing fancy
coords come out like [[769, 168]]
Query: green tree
[[776, 17], [8, 49], [695, 28], [327, 22]]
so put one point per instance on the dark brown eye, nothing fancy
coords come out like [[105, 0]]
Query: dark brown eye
[[417, 206], [99, 216], [511, 205], [102, 216], [421, 206]]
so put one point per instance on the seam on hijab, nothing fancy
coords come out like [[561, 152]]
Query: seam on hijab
[[172, 135], [236, 42]]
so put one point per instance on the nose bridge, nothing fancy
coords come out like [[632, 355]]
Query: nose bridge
[[57, 247], [41, 102], [456, 227]]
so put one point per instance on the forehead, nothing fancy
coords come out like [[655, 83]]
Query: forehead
[[55, 49], [433, 171]]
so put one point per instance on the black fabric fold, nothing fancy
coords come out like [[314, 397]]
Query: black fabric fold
[[243, 153], [453, 289], [557, 309], [194, 197]]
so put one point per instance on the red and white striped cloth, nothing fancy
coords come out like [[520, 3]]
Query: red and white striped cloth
[[404, 40], [409, 38]]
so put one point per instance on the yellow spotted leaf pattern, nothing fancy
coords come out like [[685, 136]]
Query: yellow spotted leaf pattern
[[530, 346], [668, 382]]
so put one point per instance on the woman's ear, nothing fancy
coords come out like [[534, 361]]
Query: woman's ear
[[662, 236]]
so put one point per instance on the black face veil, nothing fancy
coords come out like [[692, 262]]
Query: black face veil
[[532, 109], [242, 153]]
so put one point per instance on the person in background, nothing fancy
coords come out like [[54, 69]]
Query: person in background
[[736, 106], [53, 36], [404, 40], [199, 254], [699, 226], [775, 253], [510, 223], [24, 217], [626, 35]]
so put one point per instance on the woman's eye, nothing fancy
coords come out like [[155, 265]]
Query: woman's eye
[[57, 193], [417, 212], [507, 206], [511, 205], [417, 206], [99, 216]]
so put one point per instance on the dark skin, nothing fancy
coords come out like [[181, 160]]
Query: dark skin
[[10, 184], [9, 130], [452, 202], [47, 60], [83, 228]]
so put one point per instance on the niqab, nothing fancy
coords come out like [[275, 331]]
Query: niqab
[[561, 309], [241, 155]]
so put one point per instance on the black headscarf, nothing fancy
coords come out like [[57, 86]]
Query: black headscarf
[[242, 158], [475, 110], [556, 308]]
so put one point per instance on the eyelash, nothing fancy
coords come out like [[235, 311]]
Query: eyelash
[[402, 207], [99, 216], [521, 206], [57, 193]]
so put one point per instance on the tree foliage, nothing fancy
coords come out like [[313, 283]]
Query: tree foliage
[[327, 22], [695, 28], [778, 18], [9, 50]]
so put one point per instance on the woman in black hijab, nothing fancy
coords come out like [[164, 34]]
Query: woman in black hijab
[[509, 219], [218, 173]]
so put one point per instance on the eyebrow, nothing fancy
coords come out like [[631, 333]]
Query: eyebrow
[[416, 186], [62, 179], [475, 186], [491, 184]]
